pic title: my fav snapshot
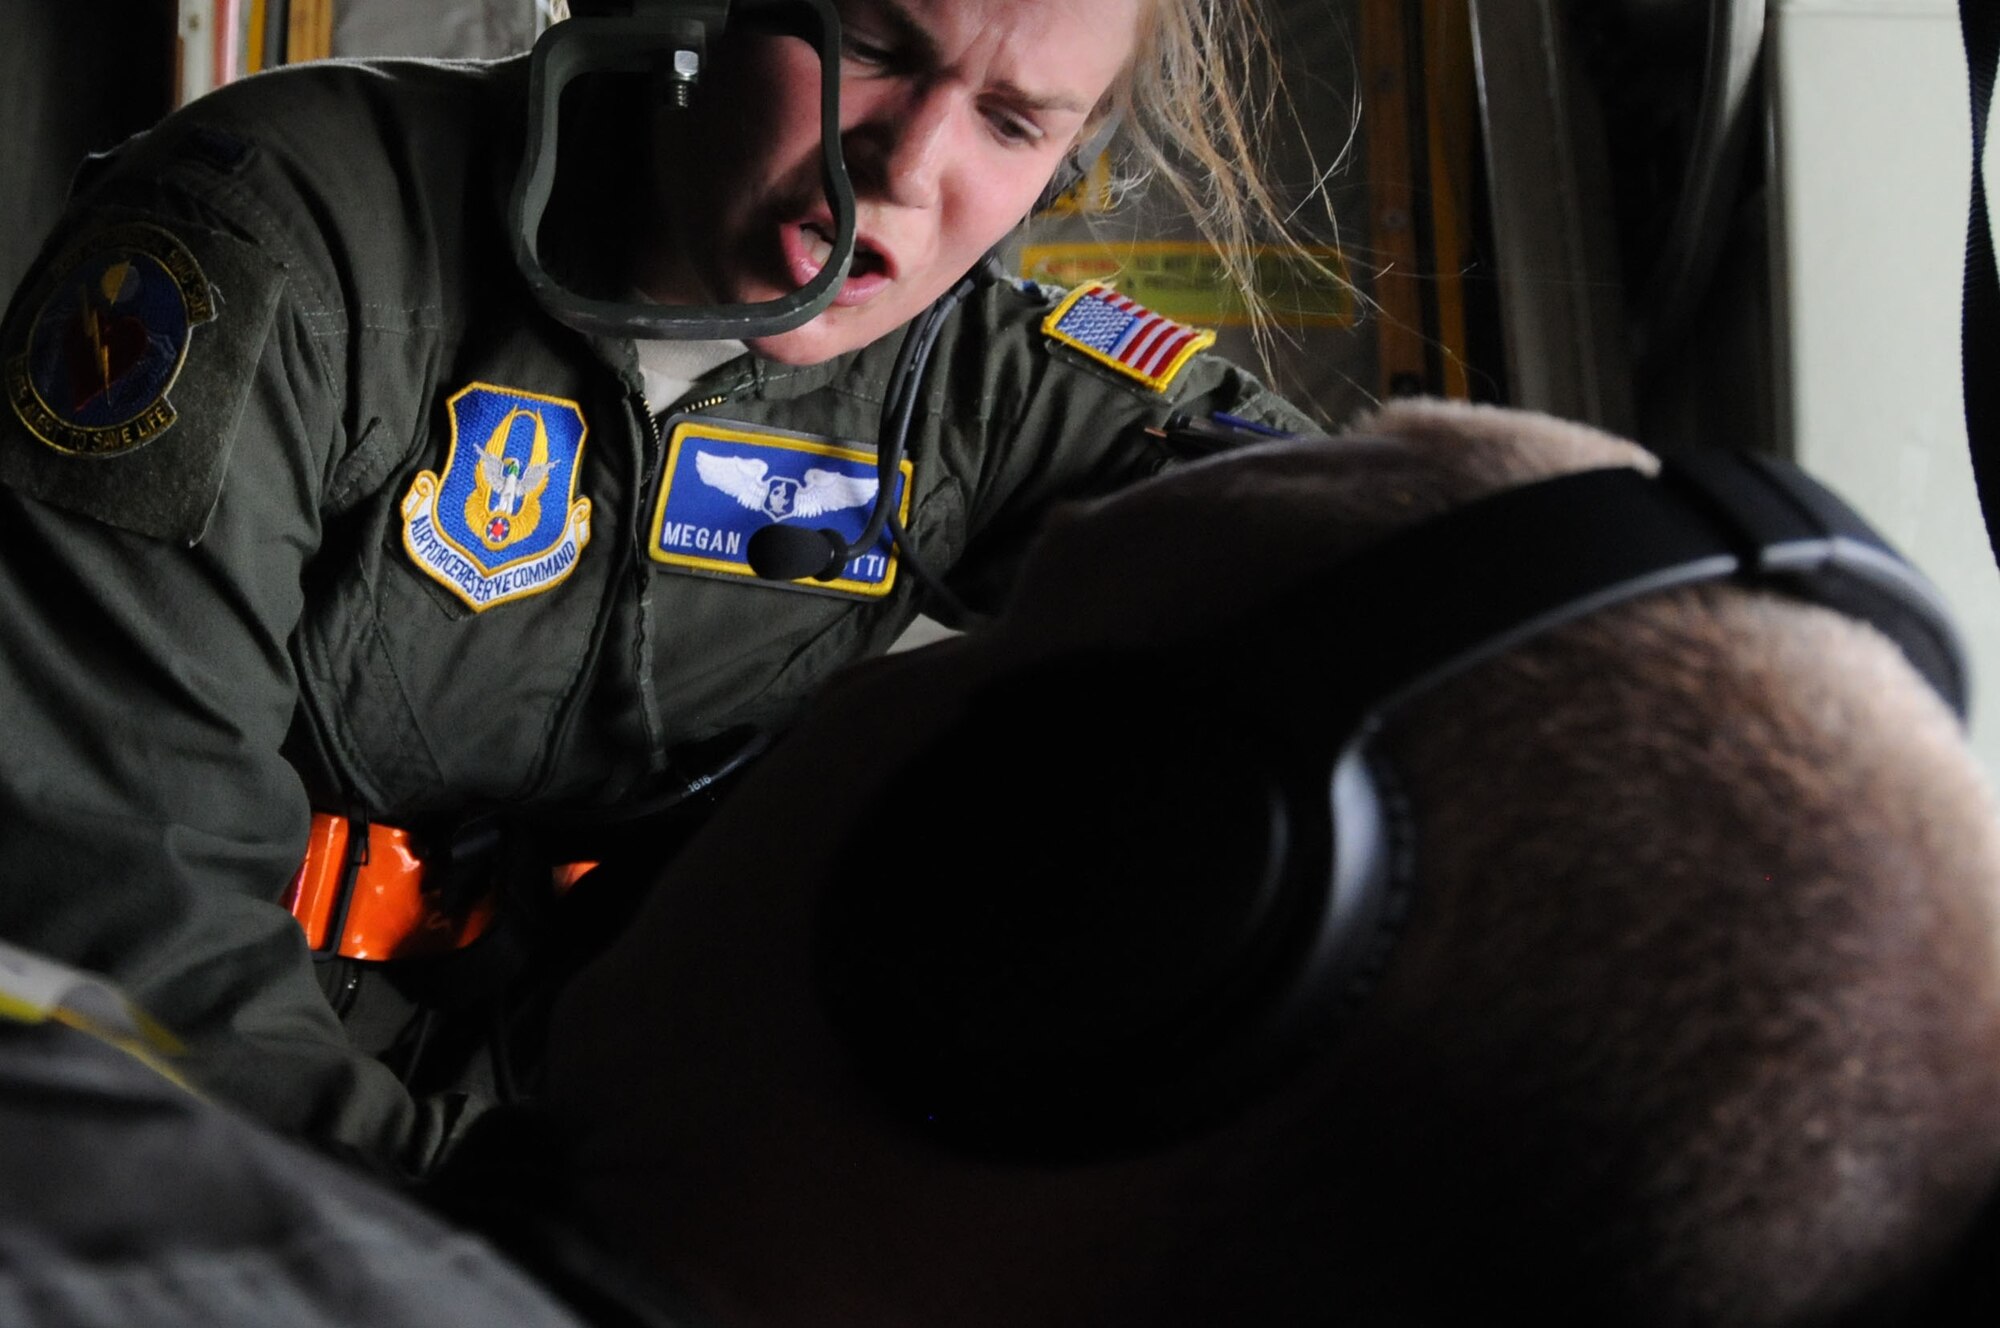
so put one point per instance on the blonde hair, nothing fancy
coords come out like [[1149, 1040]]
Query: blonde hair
[[1199, 108]]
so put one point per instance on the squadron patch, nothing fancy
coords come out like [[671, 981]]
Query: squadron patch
[[724, 482], [503, 522], [1125, 335], [104, 350]]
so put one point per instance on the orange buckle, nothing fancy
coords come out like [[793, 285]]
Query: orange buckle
[[370, 902], [372, 905]]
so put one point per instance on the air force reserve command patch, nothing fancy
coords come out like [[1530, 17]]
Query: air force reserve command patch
[[503, 521], [97, 370], [726, 481], [1125, 335]]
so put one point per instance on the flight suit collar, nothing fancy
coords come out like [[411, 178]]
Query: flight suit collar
[[751, 377], [781, 382]]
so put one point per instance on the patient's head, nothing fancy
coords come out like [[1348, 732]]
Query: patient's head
[[1695, 1017]]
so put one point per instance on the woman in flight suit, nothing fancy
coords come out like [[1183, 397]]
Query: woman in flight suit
[[306, 503]]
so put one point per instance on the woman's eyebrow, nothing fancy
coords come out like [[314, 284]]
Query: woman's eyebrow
[[1042, 101], [901, 27], [918, 47]]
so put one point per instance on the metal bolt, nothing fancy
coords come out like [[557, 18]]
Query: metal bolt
[[686, 73]]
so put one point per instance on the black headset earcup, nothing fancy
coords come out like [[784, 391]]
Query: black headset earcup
[[1094, 882], [1078, 163], [1065, 179]]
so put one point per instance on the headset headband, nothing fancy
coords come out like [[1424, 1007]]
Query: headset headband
[[1508, 567]]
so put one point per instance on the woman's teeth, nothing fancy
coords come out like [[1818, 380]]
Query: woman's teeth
[[818, 247]]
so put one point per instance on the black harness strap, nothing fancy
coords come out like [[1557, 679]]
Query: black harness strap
[[1979, 20]]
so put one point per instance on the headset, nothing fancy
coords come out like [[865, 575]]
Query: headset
[[792, 553], [1076, 165], [1130, 897]]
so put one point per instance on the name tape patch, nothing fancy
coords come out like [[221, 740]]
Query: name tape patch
[[106, 346], [724, 482], [1125, 335], [503, 521]]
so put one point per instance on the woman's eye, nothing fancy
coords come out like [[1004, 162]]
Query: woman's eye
[[863, 51], [1012, 128]]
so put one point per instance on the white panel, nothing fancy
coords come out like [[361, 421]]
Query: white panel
[[1873, 143], [194, 36]]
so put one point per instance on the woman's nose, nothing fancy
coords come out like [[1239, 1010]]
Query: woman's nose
[[898, 147]]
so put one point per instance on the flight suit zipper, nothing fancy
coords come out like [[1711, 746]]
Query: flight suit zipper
[[643, 480], [656, 460], [650, 480]]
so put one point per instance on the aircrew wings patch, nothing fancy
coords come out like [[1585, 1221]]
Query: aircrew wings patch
[[1125, 335], [725, 481]]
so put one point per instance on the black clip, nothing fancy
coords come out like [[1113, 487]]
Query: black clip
[[353, 858]]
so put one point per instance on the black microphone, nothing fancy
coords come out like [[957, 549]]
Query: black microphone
[[792, 553], [789, 553]]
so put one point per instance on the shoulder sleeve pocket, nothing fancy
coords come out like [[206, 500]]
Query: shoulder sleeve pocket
[[125, 364]]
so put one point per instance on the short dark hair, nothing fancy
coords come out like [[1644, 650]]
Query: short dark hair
[[1697, 1015]]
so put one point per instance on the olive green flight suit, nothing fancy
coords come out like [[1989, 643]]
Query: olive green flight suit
[[214, 629]]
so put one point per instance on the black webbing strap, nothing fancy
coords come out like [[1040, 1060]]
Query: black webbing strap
[[1979, 21]]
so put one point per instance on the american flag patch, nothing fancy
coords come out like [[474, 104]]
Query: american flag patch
[[1125, 335]]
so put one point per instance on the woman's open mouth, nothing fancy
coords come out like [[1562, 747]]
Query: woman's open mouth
[[809, 244]]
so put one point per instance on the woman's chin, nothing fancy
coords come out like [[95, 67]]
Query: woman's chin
[[818, 340]]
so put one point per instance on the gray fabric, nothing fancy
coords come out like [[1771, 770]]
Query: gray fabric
[[125, 1201]]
